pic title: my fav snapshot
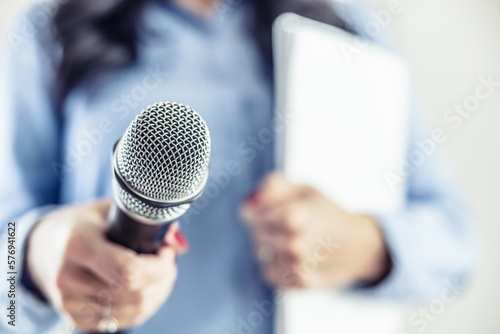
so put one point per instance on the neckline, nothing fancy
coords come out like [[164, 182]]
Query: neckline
[[209, 23]]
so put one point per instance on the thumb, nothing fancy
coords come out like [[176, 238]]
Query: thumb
[[276, 189], [176, 239]]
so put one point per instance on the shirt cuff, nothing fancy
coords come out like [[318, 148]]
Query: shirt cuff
[[419, 272], [32, 315]]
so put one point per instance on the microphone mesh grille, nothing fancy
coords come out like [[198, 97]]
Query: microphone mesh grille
[[146, 210], [164, 154]]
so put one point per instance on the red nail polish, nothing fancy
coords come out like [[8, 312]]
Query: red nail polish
[[252, 198], [181, 239]]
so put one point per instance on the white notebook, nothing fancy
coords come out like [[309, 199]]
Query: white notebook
[[346, 128]]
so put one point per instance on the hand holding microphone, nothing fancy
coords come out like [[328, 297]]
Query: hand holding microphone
[[81, 273], [160, 166]]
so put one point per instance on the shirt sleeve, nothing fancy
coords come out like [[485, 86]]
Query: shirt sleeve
[[432, 239], [29, 146]]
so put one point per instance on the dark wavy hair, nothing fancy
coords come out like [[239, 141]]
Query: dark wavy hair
[[101, 36]]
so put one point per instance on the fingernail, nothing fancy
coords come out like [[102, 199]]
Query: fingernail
[[181, 239], [252, 198]]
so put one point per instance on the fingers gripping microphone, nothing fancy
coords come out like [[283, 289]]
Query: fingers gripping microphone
[[160, 166]]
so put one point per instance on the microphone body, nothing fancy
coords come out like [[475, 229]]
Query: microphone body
[[142, 238]]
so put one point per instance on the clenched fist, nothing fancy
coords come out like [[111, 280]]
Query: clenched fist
[[86, 277], [304, 240]]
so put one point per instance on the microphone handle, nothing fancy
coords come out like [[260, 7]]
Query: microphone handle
[[140, 237]]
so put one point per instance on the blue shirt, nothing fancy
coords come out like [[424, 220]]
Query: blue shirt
[[215, 67]]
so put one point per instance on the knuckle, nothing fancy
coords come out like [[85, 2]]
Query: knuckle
[[77, 246], [129, 262], [293, 259], [269, 278], [248, 218], [61, 281], [307, 190], [291, 246], [138, 298], [104, 296], [128, 269], [291, 278], [66, 303], [293, 250], [128, 282], [296, 217], [290, 216]]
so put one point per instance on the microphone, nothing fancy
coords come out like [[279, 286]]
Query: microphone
[[160, 166]]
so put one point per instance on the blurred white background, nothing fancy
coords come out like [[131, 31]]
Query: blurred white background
[[449, 43]]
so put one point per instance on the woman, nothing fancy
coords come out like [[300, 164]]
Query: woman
[[74, 87]]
